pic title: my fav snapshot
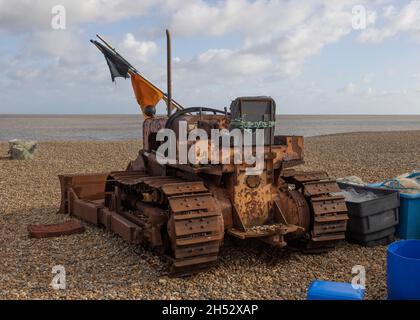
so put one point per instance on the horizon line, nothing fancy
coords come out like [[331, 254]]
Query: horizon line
[[277, 114]]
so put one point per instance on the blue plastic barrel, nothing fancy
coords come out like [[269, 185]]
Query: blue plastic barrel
[[328, 290], [403, 270]]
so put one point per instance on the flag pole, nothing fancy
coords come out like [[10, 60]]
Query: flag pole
[[133, 69], [169, 72]]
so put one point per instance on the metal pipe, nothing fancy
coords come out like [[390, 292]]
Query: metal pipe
[[169, 71]]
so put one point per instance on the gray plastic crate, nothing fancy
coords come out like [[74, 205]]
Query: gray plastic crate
[[373, 239], [372, 222]]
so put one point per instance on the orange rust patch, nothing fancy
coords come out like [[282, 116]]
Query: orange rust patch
[[55, 230]]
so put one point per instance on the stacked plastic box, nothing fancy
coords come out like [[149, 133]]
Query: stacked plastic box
[[372, 222], [409, 217]]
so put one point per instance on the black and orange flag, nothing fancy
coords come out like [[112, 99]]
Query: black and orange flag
[[117, 66], [146, 94]]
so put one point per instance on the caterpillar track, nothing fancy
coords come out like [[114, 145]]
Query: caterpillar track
[[182, 219], [328, 211], [190, 225]]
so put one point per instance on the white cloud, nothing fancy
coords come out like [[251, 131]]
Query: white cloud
[[230, 62], [141, 51], [367, 78], [246, 17], [24, 16], [350, 88], [389, 11], [370, 91], [287, 32], [21, 74], [407, 19], [309, 38]]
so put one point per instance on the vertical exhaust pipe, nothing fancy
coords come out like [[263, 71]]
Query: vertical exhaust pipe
[[169, 71]]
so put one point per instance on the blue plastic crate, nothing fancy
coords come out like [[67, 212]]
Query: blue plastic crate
[[409, 226], [328, 290]]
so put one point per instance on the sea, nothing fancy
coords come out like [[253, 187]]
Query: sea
[[123, 127]]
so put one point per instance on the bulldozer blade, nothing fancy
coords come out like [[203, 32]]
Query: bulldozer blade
[[89, 186]]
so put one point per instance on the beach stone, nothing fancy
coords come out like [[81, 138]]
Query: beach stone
[[22, 150]]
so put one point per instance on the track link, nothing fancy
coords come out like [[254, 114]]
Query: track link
[[328, 211], [196, 230], [194, 224]]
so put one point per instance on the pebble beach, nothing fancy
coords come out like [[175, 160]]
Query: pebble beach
[[100, 265]]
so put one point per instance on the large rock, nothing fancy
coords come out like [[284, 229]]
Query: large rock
[[22, 150]]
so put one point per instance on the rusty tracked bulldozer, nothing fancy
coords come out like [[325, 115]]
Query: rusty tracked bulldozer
[[185, 210]]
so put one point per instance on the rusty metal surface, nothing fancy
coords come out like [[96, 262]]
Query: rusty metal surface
[[270, 233], [196, 230], [172, 189], [196, 225], [329, 205], [263, 231], [127, 230], [223, 204], [157, 182], [293, 208], [150, 127], [252, 203], [129, 177], [317, 188], [55, 230], [86, 186], [138, 164], [330, 212], [294, 148], [250, 233], [311, 176], [84, 209], [188, 203]]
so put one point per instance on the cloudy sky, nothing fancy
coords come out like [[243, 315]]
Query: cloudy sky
[[313, 56]]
